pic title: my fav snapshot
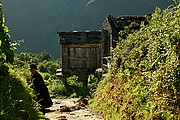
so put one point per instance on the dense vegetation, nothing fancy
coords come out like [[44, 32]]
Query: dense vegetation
[[47, 66], [143, 81], [16, 98], [6, 49], [72, 87]]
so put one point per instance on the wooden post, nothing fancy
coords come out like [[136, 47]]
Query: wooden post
[[83, 77], [85, 82]]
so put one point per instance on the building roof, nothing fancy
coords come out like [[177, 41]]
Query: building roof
[[80, 37], [120, 22]]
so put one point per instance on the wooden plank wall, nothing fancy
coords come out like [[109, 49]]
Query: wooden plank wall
[[87, 56]]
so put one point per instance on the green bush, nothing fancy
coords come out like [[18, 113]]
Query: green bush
[[48, 78], [16, 100], [58, 88], [48, 66], [71, 87], [143, 81], [93, 83], [42, 66], [6, 48], [65, 88], [52, 67], [44, 56]]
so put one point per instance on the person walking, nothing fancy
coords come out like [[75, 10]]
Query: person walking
[[40, 89]]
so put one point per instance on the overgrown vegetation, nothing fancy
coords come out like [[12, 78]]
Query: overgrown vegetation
[[71, 87], [16, 98], [47, 65], [6, 49], [143, 81]]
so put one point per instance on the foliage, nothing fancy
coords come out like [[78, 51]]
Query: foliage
[[44, 60], [36, 58], [44, 56], [93, 83], [143, 81], [58, 89], [67, 87], [6, 50], [16, 99], [71, 87], [48, 66]]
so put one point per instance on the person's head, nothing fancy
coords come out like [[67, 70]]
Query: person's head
[[33, 68]]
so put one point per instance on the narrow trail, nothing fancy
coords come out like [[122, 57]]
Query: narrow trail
[[71, 109]]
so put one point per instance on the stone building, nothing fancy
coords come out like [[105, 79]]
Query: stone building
[[111, 26], [85, 51]]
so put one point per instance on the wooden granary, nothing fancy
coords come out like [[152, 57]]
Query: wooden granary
[[81, 53]]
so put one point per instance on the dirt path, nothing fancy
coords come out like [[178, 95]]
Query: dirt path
[[71, 109]]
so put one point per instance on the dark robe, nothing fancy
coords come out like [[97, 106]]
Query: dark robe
[[41, 91]]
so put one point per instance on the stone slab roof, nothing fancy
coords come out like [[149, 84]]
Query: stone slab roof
[[118, 23], [80, 37]]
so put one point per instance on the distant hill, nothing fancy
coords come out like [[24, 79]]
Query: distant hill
[[38, 21]]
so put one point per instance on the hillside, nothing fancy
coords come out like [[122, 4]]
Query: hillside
[[37, 22], [16, 97], [143, 81]]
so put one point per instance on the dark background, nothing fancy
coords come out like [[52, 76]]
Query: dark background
[[38, 21]]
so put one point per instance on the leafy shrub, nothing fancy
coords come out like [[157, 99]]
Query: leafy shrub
[[24, 56], [48, 66], [93, 83], [44, 56], [16, 100], [52, 67], [6, 48], [71, 87], [143, 81], [57, 88], [48, 78], [42, 66], [76, 86], [64, 88]]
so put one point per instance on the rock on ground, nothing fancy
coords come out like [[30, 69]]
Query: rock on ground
[[71, 109]]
